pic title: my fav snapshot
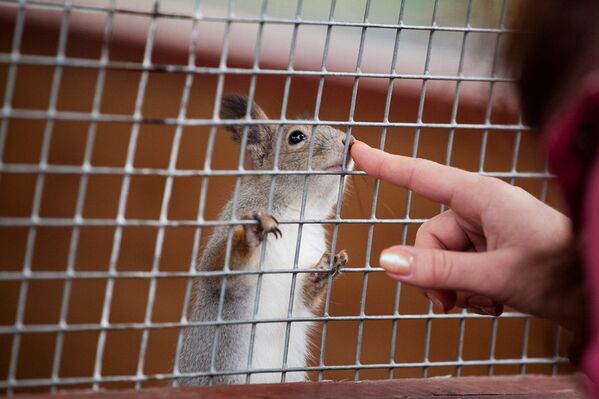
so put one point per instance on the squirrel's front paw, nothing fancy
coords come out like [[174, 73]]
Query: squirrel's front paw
[[256, 233], [316, 282], [324, 265]]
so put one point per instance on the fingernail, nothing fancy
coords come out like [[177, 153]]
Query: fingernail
[[483, 311], [483, 305], [437, 304], [397, 261], [479, 301]]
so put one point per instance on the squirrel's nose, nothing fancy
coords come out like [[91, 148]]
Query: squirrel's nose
[[351, 140]]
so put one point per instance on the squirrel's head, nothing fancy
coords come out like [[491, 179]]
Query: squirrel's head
[[294, 141], [327, 148]]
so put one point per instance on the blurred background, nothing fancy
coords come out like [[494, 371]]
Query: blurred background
[[443, 103]]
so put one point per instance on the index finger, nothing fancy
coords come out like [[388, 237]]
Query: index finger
[[434, 181]]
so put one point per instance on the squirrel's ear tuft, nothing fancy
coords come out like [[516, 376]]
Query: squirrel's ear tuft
[[235, 107]]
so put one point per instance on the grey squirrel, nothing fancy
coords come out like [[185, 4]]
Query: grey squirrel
[[233, 344]]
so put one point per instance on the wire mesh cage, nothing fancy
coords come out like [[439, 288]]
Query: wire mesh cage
[[115, 163]]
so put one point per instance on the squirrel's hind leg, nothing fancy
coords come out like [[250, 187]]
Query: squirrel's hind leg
[[315, 283]]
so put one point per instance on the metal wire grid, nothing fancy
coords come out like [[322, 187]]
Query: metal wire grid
[[51, 115]]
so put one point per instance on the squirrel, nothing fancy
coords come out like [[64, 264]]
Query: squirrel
[[233, 340]]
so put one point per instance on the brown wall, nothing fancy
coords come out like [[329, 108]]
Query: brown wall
[[162, 99]]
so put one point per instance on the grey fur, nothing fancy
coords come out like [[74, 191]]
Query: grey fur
[[233, 340]]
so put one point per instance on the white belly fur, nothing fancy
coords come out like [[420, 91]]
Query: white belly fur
[[269, 341]]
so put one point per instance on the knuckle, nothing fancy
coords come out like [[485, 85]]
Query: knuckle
[[411, 174], [415, 167], [502, 189], [493, 184], [421, 232], [519, 190], [431, 227], [428, 226], [441, 269]]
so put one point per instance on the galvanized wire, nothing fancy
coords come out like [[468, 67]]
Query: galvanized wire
[[192, 69]]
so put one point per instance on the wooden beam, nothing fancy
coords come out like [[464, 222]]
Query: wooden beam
[[521, 387]]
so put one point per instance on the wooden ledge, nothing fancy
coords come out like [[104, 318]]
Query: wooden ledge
[[521, 387]]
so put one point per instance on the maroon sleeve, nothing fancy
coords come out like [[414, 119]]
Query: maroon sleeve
[[572, 143]]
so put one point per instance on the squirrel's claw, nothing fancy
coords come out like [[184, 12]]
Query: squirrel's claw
[[256, 233], [317, 280], [339, 261]]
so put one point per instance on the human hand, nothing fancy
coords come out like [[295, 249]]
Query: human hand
[[485, 250]]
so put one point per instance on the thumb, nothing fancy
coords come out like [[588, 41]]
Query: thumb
[[486, 273]]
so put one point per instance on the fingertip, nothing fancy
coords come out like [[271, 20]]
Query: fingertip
[[438, 304], [395, 276], [443, 299], [358, 152], [378, 163], [494, 311], [357, 144]]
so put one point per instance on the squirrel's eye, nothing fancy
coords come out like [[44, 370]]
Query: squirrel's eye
[[296, 137]]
